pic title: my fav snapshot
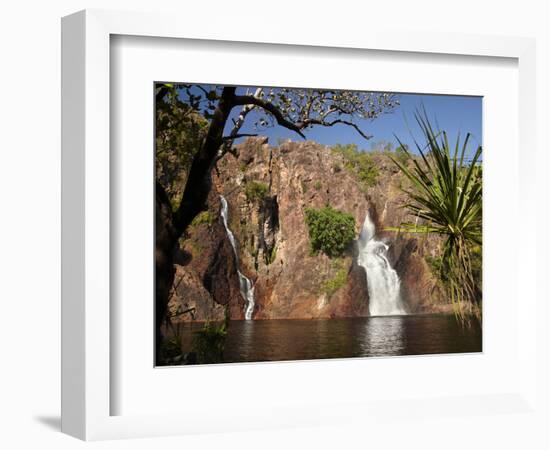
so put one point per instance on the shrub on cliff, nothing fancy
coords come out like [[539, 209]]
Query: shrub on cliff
[[256, 190], [204, 217], [339, 278], [330, 231], [358, 162]]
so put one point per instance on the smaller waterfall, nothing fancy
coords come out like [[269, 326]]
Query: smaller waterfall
[[383, 282], [246, 287]]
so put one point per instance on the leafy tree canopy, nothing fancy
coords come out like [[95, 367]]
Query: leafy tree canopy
[[330, 231], [179, 132], [296, 109]]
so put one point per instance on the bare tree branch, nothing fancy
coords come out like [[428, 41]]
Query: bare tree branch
[[323, 123], [269, 107], [237, 124], [238, 135]]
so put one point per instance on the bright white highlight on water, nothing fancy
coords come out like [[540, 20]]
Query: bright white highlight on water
[[246, 287], [383, 282]]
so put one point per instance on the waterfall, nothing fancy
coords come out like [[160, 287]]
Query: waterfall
[[246, 287], [383, 281]]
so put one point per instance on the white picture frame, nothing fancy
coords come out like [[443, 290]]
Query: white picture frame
[[87, 386]]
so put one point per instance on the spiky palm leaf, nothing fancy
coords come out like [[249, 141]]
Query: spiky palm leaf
[[446, 193]]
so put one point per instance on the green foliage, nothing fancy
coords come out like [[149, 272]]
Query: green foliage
[[317, 185], [272, 255], [171, 352], [358, 162], [402, 154], [209, 343], [171, 348], [330, 231], [256, 191], [435, 263], [477, 260], [178, 136], [382, 146], [367, 171], [204, 217], [446, 194], [438, 268], [339, 279]]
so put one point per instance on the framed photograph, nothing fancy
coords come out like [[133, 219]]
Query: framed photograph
[[324, 229]]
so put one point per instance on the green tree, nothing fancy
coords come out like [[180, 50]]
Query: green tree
[[330, 231], [446, 194], [180, 130]]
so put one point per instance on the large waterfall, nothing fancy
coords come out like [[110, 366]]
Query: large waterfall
[[383, 281], [247, 289]]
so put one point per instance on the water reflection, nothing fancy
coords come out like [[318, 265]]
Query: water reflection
[[384, 336], [246, 345], [280, 340]]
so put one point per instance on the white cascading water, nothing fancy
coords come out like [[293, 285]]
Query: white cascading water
[[383, 281], [246, 287]]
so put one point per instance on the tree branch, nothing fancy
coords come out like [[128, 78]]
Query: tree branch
[[161, 93], [163, 201], [308, 122], [238, 135], [198, 182], [237, 124], [269, 107]]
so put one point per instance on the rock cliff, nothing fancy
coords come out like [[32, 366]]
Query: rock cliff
[[268, 189]]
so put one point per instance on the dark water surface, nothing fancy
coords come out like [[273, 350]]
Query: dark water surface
[[281, 340]]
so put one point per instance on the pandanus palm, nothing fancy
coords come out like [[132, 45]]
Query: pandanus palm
[[446, 194]]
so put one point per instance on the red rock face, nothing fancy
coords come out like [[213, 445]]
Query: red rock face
[[419, 288], [206, 273], [273, 239]]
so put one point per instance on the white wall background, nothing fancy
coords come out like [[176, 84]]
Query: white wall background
[[30, 220]]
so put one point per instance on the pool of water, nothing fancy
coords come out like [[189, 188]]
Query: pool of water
[[283, 340]]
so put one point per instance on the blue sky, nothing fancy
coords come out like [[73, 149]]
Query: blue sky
[[453, 114]]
